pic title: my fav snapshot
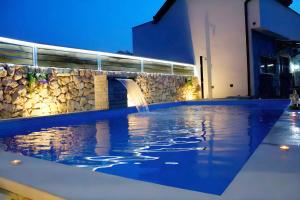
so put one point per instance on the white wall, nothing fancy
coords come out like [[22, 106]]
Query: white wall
[[216, 30], [218, 34], [169, 39]]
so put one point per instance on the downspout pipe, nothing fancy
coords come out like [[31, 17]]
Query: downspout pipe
[[247, 46]]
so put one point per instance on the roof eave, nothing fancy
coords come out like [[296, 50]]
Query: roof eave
[[163, 10]]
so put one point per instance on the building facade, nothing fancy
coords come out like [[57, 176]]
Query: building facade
[[240, 47]]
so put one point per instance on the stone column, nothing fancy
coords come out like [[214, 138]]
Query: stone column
[[101, 92]]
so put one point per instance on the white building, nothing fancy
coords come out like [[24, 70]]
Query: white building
[[239, 47]]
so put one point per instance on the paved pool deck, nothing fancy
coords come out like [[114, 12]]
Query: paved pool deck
[[269, 174]]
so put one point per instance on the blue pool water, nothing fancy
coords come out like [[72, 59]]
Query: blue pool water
[[194, 147]]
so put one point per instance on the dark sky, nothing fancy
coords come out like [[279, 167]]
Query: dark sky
[[103, 25], [296, 5]]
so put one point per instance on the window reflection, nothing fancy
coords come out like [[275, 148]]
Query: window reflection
[[109, 63]]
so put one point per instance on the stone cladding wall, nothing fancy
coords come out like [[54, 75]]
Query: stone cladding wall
[[61, 93], [168, 88], [73, 90]]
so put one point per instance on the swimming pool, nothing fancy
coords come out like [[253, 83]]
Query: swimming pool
[[198, 146]]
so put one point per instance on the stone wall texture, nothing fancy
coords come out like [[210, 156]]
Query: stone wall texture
[[168, 88], [64, 92], [74, 90]]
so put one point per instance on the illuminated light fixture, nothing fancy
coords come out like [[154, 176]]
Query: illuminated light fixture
[[270, 65], [189, 96], [294, 114], [15, 162], [284, 147], [294, 67], [171, 163]]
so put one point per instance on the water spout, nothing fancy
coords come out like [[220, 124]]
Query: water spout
[[135, 95]]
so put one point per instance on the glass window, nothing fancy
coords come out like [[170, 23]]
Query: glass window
[[156, 67], [64, 59], [15, 54], [268, 65], [109, 63], [183, 70]]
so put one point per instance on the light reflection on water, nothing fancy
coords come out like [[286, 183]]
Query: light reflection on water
[[184, 146], [288, 137]]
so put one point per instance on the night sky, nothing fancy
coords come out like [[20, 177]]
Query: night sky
[[64, 22], [103, 25], [296, 5]]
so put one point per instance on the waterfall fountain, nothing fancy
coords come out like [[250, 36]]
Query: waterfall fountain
[[135, 95]]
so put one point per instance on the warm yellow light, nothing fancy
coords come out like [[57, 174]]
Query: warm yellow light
[[130, 102], [189, 96], [15, 162], [284, 148]]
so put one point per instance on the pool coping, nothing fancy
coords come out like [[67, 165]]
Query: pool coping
[[275, 183], [270, 173]]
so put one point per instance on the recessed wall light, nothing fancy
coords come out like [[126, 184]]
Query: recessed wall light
[[284, 147], [15, 162]]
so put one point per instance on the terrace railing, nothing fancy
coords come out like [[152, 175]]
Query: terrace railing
[[27, 53]]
